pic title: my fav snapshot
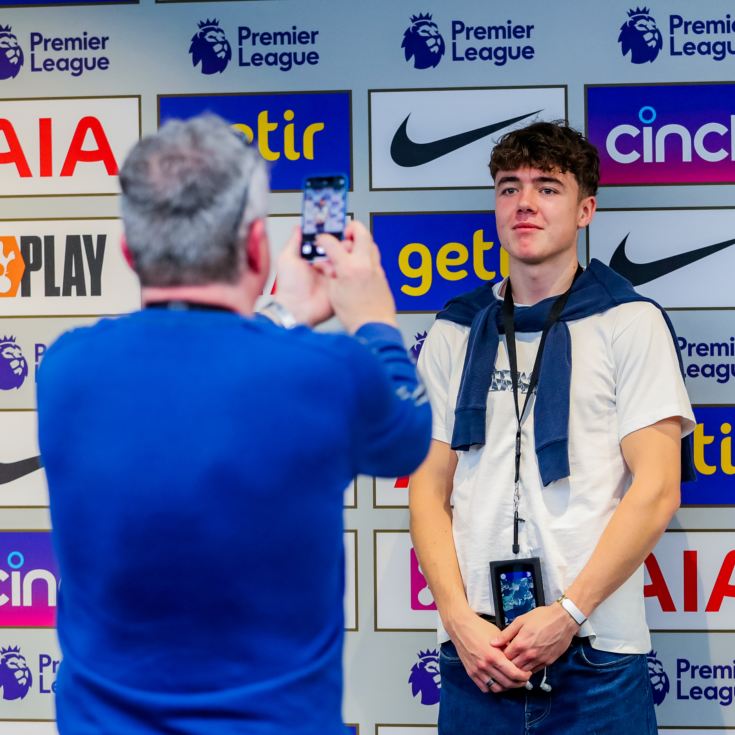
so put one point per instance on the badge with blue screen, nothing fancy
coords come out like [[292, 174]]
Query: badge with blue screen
[[324, 210], [517, 588]]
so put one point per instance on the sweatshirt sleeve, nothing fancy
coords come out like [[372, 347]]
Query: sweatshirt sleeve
[[393, 421]]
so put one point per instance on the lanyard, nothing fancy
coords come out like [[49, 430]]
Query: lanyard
[[510, 339]]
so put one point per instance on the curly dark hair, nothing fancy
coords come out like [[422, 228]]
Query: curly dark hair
[[549, 146]]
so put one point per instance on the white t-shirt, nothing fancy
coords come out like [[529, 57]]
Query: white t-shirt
[[625, 376]]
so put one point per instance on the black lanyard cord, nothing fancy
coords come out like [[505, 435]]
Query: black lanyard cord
[[510, 339]]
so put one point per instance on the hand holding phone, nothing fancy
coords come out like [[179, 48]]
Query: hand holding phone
[[324, 211]]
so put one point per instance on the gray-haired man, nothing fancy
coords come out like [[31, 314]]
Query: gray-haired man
[[196, 455]]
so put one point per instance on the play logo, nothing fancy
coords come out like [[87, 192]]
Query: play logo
[[12, 265]]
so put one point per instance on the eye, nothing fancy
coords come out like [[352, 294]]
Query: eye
[[507, 190]]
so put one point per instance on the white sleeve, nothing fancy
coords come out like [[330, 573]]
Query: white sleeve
[[649, 385], [441, 350]]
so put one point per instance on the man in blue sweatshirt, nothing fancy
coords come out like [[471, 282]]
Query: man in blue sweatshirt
[[196, 454]]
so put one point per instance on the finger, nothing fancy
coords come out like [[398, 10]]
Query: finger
[[324, 267], [511, 671], [334, 250], [360, 236], [506, 635]]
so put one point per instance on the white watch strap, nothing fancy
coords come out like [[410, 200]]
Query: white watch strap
[[278, 314], [577, 615]]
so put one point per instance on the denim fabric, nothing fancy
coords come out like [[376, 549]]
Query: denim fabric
[[593, 693]]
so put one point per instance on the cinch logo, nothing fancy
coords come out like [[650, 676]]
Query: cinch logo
[[664, 134], [659, 678], [15, 675], [428, 258], [29, 580], [421, 597], [80, 257], [301, 133], [11, 54], [210, 48], [422, 42], [13, 365], [640, 36], [717, 361], [713, 458], [425, 679]]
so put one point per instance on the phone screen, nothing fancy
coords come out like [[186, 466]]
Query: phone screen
[[517, 593], [324, 210]]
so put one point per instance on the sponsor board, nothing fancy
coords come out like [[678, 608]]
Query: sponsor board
[[350, 495], [496, 41], [23, 343], [66, 146], [707, 348], [29, 660], [642, 40], [404, 730], [429, 257], [350, 539], [300, 134], [22, 479], [681, 258], [687, 582], [65, 267], [403, 600], [285, 48], [663, 134], [442, 138], [29, 580], [28, 728], [713, 458], [693, 680]]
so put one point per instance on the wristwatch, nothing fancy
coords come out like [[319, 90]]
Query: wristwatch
[[278, 314], [576, 614]]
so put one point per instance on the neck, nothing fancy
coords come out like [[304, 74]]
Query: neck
[[228, 296], [534, 282]]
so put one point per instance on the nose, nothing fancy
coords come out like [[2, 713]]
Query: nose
[[527, 199]]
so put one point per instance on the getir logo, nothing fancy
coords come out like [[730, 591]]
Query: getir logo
[[29, 580], [663, 134], [428, 258], [300, 133], [65, 146], [713, 458]]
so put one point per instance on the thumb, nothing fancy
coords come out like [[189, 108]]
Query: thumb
[[334, 249], [506, 635]]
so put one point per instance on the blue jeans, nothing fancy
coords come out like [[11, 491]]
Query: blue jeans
[[593, 693]]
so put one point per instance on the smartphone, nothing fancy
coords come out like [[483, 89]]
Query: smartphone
[[324, 210], [517, 588]]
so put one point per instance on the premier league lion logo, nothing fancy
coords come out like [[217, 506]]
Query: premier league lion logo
[[418, 344], [640, 35], [11, 54], [210, 46], [13, 366], [425, 678], [15, 676], [659, 678], [422, 42]]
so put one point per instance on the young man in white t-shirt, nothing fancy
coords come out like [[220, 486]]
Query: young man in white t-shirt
[[591, 501]]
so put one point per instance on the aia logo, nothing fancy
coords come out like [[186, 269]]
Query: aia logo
[[15, 676], [12, 266], [11, 54], [640, 36], [210, 48], [425, 679], [423, 42], [13, 365], [659, 678]]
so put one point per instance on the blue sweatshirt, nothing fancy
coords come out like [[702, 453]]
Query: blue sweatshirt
[[196, 462]]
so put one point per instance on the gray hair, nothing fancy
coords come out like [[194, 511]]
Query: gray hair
[[189, 195]]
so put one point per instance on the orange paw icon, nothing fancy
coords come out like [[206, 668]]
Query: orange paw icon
[[12, 266]]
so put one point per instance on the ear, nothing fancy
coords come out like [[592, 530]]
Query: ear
[[126, 252], [586, 211], [257, 254]]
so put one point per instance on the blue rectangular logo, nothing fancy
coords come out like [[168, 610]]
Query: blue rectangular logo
[[713, 458], [431, 257], [300, 134]]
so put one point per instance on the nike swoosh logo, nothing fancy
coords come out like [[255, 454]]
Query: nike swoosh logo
[[10, 471], [640, 273], [407, 153]]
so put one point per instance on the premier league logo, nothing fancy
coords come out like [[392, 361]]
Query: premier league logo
[[13, 366], [11, 54], [659, 678], [640, 36], [422, 42], [210, 47], [425, 679], [418, 344], [15, 676]]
